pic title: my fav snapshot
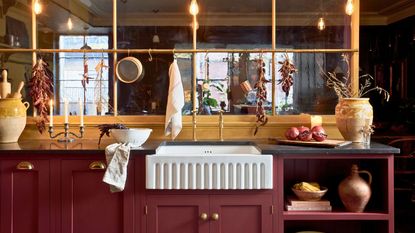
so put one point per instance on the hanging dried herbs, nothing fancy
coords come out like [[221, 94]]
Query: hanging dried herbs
[[41, 91], [261, 96], [287, 70]]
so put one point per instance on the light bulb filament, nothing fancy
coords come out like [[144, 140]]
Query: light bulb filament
[[321, 24]]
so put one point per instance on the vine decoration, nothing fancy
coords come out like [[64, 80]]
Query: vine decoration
[[41, 91]]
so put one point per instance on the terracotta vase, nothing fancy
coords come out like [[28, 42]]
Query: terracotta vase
[[352, 115], [354, 191], [12, 119]]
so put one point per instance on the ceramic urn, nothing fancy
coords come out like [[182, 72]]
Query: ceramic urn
[[12, 119]]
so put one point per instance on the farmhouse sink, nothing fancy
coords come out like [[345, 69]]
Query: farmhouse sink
[[207, 148], [208, 165]]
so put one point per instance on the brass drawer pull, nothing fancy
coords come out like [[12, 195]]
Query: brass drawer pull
[[25, 165], [97, 165]]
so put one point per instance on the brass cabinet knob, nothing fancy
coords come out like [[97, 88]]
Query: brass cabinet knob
[[203, 216], [25, 165], [215, 216]]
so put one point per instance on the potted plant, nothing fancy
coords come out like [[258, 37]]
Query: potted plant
[[354, 114]]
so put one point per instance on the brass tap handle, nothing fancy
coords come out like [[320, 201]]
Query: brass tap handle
[[221, 125], [215, 217], [25, 165], [194, 124], [203, 216]]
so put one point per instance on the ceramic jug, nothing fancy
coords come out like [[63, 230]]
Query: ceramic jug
[[12, 119], [354, 191]]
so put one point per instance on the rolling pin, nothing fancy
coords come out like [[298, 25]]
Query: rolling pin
[[18, 93], [5, 87]]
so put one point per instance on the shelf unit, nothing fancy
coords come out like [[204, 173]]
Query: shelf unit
[[329, 170]]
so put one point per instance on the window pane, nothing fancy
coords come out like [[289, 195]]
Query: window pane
[[83, 77], [297, 24]]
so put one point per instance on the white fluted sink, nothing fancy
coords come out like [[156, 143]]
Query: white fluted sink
[[208, 165]]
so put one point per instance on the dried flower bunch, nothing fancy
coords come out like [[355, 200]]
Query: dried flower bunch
[[41, 91], [342, 85], [287, 71], [105, 129]]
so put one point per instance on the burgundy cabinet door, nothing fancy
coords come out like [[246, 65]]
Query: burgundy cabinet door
[[251, 213], [87, 203], [25, 196], [177, 214]]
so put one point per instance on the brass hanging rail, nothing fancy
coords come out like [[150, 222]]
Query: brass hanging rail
[[172, 51]]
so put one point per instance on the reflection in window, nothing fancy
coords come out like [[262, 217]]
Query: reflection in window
[[79, 79]]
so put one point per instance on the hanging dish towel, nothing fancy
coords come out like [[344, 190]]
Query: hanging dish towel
[[175, 102], [117, 156]]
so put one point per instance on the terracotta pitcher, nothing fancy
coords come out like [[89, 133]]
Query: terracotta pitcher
[[354, 191]]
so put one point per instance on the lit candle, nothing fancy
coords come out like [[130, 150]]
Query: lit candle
[[81, 112], [65, 109], [51, 113]]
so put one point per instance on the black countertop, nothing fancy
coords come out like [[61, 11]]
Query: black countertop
[[82, 146]]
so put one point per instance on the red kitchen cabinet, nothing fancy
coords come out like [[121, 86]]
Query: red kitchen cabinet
[[25, 192], [250, 213], [88, 205], [178, 213], [244, 213]]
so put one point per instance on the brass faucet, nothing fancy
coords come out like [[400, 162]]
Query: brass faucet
[[221, 125], [194, 124]]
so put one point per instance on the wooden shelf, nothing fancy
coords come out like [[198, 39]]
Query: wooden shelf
[[317, 215]]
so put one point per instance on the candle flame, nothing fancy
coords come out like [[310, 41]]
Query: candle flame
[[349, 7], [194, 8], [37, 7]]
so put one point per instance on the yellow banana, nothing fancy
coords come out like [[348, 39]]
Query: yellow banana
[[304, 186]]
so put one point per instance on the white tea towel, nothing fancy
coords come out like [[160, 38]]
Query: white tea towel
[[117, 156], [175, 102]]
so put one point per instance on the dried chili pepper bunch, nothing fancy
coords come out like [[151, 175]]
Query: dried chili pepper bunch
[[105, 129], [41, 91], [287, 71], [261, 96]]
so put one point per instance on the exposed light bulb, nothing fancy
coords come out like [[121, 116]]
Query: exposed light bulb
[[69, 23], [156, 39], [321, 25], [37, 7], [349, 7], [194, 8]]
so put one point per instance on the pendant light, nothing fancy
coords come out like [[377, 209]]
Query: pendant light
[[349, 7], [156, 38], [69, 23]]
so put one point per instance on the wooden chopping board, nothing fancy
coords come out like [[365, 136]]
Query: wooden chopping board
[[328, 143]]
